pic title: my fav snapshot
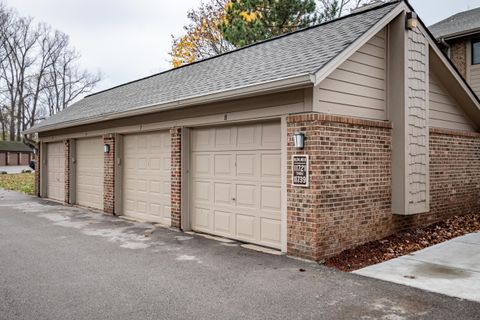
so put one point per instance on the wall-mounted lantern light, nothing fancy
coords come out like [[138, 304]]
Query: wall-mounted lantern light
[[298, 140], [412, 20], [106, 148]]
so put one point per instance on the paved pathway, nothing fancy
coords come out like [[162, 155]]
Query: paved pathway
[[60, 262], [451, 268], [14, 169]]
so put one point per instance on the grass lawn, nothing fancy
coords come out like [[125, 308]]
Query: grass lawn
[[22, 182]]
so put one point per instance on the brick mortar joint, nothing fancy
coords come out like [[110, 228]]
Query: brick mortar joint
[[452, 132], [322, 117]]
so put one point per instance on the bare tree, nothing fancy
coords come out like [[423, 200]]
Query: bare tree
[[332, 9], [65, 81], [40, 73]]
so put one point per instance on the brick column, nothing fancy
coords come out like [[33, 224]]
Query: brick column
[[176, 171], [302, 203], [350, 181], [67, 170], [109, 176], [38, 167]]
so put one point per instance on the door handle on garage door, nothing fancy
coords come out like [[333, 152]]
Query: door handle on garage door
[[234, 199]]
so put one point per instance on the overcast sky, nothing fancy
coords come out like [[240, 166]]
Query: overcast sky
[[127, 40]]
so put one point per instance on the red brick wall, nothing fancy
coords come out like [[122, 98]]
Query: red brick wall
[[349, 199], [67, 170], [176, 183], [349, 189], [37, 171], [458, 55], [454, 173], [3, 158], [12, 158], [109, 176], [24, 159]]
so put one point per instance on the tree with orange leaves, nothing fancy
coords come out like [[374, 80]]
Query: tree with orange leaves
[[202, 38]]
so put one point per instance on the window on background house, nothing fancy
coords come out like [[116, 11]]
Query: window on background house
[[476, 51]]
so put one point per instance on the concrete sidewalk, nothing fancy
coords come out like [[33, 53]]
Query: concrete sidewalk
[[451, 268], [14, 169]]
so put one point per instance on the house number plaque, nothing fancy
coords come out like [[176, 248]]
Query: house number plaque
[[300, 170]]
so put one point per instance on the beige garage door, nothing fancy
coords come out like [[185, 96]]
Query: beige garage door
[[56, 171], [146, 177], [236, 178], [89, 173]]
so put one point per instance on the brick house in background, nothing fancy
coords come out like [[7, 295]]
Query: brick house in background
[[13, 153], [390, 134], [459, 38]]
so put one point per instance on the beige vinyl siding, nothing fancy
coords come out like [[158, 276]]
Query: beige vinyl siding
[[417, 122], [358, 87], [475, 78], [444, 110]]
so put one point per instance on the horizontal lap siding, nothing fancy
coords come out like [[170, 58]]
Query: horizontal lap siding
[[475, 78], [358, 86], [444, 110]]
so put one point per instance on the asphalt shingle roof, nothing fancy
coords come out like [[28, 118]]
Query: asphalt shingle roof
[[457, 24], [14, 146], [299, 53]]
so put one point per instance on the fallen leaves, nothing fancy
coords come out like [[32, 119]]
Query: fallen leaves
[[404, 243], [22, 182]]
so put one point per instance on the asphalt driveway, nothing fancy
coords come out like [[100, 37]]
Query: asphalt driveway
[[60, 262]]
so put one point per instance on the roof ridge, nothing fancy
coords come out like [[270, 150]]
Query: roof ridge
[[388, 3]]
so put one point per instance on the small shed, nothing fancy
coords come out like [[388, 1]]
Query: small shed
[[13, 153]]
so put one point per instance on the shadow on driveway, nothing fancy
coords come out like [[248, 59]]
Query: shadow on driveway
[[61, 262]]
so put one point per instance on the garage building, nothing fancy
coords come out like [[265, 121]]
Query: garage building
[[390, 134]]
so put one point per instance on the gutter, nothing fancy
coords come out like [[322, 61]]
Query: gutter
[[460, 34], [288, 83], [447, 45]]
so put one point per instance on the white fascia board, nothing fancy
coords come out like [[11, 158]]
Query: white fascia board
[[284, 84], [461, 34], [331, 66]]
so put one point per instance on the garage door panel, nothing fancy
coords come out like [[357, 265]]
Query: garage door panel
[[223, 222], [222, 193], [246, 195], [224, 165], [201, 218], [56, 171], [89, 172], [201, 164], [236, 182], [167, 186], [248, 136], [271, 197], [247, 165], [270, 230], [245, 226], [271, 136], [202, 140], [271, 165], [201, 191], [224, 138], [146, 177]]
